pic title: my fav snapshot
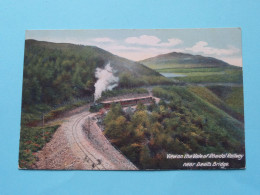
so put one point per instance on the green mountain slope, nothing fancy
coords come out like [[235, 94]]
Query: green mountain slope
[[92, 52], [228, 103], [58, 72], [232, 96]]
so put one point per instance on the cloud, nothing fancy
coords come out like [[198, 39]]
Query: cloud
[[143, 40], [103, 40], [172, 42], [202, 47], [152, 41], [134, 52]]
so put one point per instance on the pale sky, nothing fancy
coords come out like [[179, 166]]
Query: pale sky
[[139, 44]]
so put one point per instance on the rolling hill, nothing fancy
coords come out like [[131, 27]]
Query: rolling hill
[[183, 60], [195, 68]]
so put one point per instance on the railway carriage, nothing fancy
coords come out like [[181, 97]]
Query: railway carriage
[[128, 102]]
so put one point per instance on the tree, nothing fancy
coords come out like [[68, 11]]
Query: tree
[[140, 118], [140, 106], [145, 157]]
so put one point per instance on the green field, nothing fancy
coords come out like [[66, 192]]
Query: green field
[[170, 65], [207, 75], [230, 76], [190, 70]]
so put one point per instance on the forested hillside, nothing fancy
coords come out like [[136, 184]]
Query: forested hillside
[[59, 77], [181, 123], [58, 72]]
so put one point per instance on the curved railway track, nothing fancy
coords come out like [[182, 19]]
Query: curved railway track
[[90, 145], [88, 156], [80, 145]]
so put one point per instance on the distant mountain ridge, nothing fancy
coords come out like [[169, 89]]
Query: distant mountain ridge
[[176, 58]]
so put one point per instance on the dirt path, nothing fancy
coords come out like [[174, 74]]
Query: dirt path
[[77, 145]]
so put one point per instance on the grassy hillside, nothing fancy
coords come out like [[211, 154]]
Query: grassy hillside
[[228, 103], [232, 96]]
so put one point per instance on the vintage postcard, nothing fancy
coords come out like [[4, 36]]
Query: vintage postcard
[[159, 99]]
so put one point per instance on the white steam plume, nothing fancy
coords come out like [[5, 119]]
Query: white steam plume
[[106, 80]]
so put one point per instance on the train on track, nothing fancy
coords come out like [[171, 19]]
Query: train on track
[[124, 102]]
